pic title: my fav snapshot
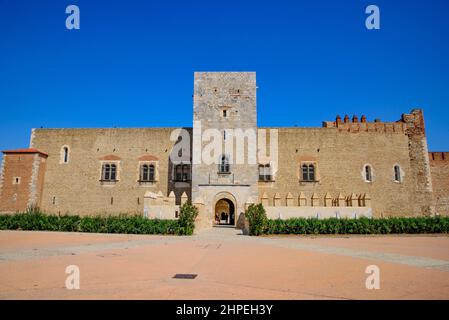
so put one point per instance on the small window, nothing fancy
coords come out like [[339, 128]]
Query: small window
[[16, 180], [225, 113], [308, 172], [224, 167], [224, 134], [265, 172], [65, 154], [368, 174], [109, 172], [397, 173]]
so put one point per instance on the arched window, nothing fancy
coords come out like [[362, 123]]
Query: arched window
[[368, 173], [182, 172], [397, 173], [265, 172], [308, 172], [65, 154], [109, 172], [224, 167]]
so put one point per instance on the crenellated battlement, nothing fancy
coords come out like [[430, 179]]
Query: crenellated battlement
[[439, 156], [412, 123]]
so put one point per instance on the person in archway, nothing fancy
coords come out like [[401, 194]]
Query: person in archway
[[224, 217]]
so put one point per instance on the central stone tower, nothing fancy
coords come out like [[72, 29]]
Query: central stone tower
[[224, 154]]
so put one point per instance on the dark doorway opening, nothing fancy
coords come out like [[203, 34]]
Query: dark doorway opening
[[224, 212]]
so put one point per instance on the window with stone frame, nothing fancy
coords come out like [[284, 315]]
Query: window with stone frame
[[308, 172], [109, 172], [147, 173]]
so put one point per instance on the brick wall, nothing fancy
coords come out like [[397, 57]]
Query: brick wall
[[22, 181]]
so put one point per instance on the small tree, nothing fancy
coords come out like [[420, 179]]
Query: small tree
[[187, 218], [257, 219]]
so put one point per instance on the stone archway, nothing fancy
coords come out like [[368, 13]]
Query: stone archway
[[224, 212], [224, 209]]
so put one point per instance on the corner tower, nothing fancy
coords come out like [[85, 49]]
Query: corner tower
[[224, 144]]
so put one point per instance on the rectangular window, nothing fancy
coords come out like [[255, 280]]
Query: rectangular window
[[397, 174], [109, 172], [308, 172], [147, 173], [265, 172]]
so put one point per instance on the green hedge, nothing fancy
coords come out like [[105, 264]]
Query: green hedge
[[35, 220], [358, 226]]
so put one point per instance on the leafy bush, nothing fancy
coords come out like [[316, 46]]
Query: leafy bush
[[358, 226], [257, 219], [187, 216], [34, 219]]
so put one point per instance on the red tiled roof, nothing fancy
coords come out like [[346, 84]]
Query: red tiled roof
[[25, 150]]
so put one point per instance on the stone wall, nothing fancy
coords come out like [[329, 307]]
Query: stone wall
[[75, 187], [439, 167], [340, 150], [226, 103], [284, 213]]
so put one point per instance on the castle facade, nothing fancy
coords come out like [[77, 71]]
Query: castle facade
[[224, 162]]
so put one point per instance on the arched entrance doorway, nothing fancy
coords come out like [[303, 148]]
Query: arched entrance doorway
[[224, 212]]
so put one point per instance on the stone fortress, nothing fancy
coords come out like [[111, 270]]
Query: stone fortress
[[346, 168]]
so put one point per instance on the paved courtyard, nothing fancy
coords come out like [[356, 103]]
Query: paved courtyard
[[228, 266]]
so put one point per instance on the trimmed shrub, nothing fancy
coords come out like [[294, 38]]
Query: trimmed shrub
[[34, 219], [187, 216], [358, 226], [257, 219]]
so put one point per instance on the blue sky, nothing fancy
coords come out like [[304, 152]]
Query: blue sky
[[131, 64]]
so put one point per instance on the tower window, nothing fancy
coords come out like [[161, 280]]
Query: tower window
[[265, 172], [225, 113], [224, 166]]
